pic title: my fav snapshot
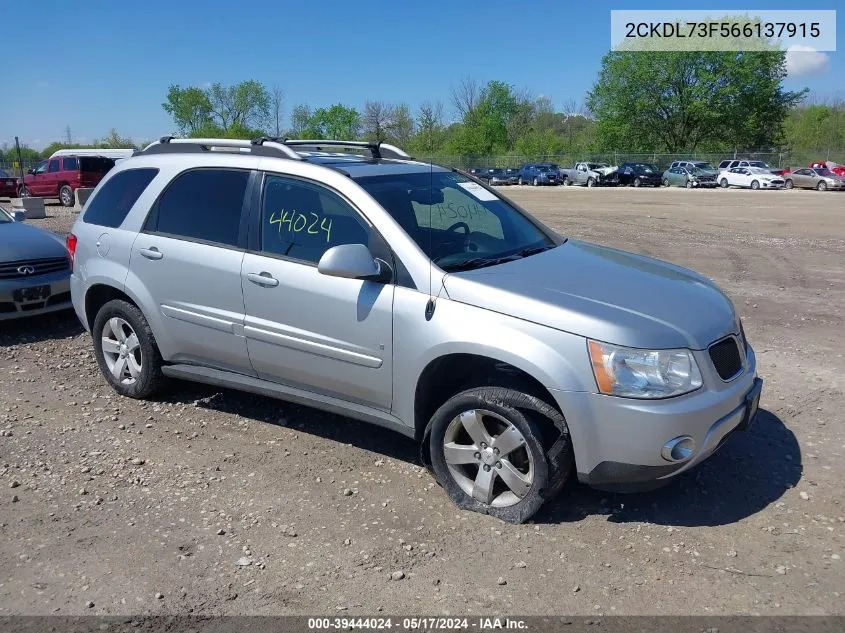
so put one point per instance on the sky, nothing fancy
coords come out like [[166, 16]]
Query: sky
[[95, 65]]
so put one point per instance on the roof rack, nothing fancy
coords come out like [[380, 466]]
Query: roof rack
[[377, 150], [257, 147]]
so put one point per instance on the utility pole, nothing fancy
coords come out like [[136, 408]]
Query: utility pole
[[20, 160], [68, 137]]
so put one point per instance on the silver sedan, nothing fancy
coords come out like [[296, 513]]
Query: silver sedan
[[814, 178]]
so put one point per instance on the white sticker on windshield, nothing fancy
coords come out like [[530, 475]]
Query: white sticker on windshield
[[478, 191]]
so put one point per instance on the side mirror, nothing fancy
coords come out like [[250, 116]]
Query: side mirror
[[19, 216], [353, 261], [30, 171]]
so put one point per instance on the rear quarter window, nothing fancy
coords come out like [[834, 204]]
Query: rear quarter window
[[116, 197], [97, 164], [71, 163]]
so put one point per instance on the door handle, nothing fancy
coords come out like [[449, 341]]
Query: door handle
[[152, 253], [263, 279]]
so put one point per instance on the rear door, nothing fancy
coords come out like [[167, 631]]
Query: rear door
[[70, 171], [188, 258], [324, 334]]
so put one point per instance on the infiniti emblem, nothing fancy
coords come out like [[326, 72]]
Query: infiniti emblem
[[26, 270]]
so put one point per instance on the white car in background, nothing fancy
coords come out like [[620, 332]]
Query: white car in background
[[750, 177]]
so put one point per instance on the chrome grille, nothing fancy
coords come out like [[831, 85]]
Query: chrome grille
[[25, 268]]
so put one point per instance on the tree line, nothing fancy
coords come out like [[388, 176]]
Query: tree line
[[662, 102]]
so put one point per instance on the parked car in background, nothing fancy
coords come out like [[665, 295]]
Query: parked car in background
[[639, 174], [751, 178], [9, 185], [478, 172], [728, 164], [500, 176], [701, 165], [820, 178], [513, 172], [538, 174], [688, 176], [59, 177], [115, 154], [34, 269], [542, 358], [836, 168], [590, 175]]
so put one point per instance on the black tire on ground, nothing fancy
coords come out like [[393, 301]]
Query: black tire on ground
[[689, 184], [665, 182], [755, 185], [565, 181], [66, 196], [520, 182], [24, 192], [637, 182], [546, 436], [535, 182], [789, 184], [591, 182], [822, 186], [151, 377], [723, 183]]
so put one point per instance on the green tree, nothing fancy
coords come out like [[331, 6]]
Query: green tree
[[300, 120], [676, 101], [339, 122], [190, 108]]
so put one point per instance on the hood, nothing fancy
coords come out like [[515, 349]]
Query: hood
[[24, 241], [605, 294]]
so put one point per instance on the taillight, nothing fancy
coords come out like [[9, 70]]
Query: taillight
[[71, 248]]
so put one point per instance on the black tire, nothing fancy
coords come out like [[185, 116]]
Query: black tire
[[689, 183], [535, 182], [551, 451], [565, 181], [637, 182], [151, 377], [66, 196], [520, 182], [789, 184], [755, 185], [822, 186], [666, 182], [723, 183], [591, 182], [24, 192]]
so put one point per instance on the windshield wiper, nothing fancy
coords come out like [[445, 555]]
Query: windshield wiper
[[481, 262]]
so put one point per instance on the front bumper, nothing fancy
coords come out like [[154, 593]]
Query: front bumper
[[618, 441], [55, 296]]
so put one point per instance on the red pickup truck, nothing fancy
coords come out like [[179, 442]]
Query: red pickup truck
[[59, 177]]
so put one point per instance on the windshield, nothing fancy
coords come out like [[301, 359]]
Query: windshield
[[596, 165], [704, 166], [4, 217], [458, 223], [759, 163], [759, 170], [644, 168]]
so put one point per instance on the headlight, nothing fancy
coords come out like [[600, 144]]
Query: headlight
[[639, 373]]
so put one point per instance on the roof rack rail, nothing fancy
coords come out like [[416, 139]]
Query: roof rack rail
[[378, 150], [256, 147]]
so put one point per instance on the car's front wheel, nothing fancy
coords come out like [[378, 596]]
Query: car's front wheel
[[591, 182], [66, 196], [490, 451], [535, 182], [637, 182], [126, 349], [665, 182], [789, 184], [723, 183], [822, 186], [755, 185], [519, 181]]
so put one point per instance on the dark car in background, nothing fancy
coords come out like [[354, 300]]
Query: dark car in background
[[639, 174], [539, 174], [500, 176], [59, 177], [34, 270], [9, 185]]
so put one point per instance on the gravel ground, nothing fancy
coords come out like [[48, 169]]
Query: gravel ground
[[208, 501]]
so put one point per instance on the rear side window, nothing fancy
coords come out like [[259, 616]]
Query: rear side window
[[71, 163], [203, 205], [95, 164], [116, 197]]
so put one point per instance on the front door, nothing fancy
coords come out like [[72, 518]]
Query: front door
[[188, 260], [324, 334], [36, 182], [51, 180]]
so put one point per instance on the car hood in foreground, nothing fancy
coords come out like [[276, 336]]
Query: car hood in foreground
[[23, 241], [604, 294]]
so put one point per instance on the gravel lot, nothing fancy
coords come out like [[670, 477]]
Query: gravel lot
[[211, 502]]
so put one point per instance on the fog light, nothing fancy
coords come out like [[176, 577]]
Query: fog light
[[679, 449]]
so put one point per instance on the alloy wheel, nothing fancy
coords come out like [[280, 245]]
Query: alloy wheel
[[488, 458], [122, 351]]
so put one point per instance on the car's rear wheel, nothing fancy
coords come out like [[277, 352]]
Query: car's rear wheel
[[637, 182], [489, 450], [665, 182], [24, 192], [789, 184], [822, 186], [755, 185], [126, 350], [723, 183], [66, 196]]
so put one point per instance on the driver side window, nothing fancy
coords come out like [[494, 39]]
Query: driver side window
[[41, 167]]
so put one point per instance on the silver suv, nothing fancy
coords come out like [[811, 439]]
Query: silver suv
[[348, 277]]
